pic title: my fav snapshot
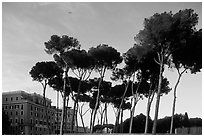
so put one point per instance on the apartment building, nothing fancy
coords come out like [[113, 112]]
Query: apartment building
[[27, 114]]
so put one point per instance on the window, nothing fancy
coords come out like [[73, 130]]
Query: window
[[11, 113], [21, 106], [17, 106], [31, 107], [6, 99], [5, 107], [21, 121], [16, 121], [36, 121], [11, 98], [31, 121], [16, 98], [31, 113], [21, 112], [16, 113]]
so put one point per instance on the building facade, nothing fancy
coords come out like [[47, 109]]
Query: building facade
[[27, 114]]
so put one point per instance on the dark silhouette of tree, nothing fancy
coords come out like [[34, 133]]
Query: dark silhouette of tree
[[120, 93], [104, 98], [190, 60], [138, 124], [43, 72], [156, 35], [58, 46], [189, 55], [105, 57], [140, 63], [165, 34], [6, 124], [81, 65]]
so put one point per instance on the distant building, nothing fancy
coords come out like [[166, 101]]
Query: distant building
[[27, 114], [189, 130]]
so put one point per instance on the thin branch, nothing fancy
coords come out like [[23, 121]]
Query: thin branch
[[75, 73], [159, 57], [86, 111], [89, 74], [156, 61], [113, 110]]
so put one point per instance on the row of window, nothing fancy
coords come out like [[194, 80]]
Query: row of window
[[11, 113], [12, 107], [41, 115], [17, 121], [40, 110], [12, 99]]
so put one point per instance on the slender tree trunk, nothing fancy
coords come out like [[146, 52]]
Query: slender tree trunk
[[135, 95], [65, 117], [76, 119], [102, 115], [158, 94], [91, 119], [174, 100], [45, 107], [121, 103], [57, 111], [132, 115], [106, 115], [82, 120], [75, 104], [147, 116], [121, 122], [64, 101], [149, 103], [97, 99]]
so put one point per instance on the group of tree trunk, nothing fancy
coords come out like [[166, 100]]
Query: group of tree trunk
[[167, 40]]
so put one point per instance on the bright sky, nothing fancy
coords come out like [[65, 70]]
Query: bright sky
[[26, 26]]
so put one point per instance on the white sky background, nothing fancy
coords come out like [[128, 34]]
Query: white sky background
[[26, 26]]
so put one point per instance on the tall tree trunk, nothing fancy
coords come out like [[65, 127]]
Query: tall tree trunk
[[91, 119], [121, 122], [174, 100], [149, 103], [64, 101], [45, 107], [158, 93], [132, 115], [97, 99], [147, 116], [121, 103], [81, 116], [135, 96], [76, 119], [57, 110], [96, 105], [75, 104], [106, 116]]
